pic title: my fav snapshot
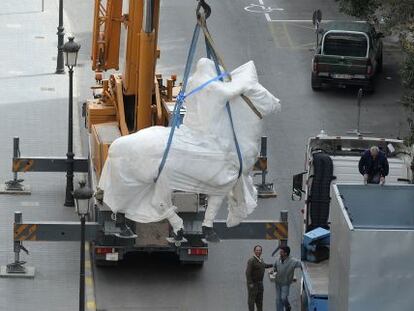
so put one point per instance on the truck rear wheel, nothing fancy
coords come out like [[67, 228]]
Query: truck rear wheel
[[370, 88], [195, 264], [379, 64], [316, 83], [105, 263]]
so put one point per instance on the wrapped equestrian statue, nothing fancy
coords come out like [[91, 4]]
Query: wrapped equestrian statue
[[202, 156]]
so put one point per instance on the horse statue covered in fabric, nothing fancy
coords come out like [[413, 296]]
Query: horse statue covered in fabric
[[202, 157]]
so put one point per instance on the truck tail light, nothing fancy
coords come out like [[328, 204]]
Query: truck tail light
[[369, 68], [198, 251], [104, 250], [315, 65]]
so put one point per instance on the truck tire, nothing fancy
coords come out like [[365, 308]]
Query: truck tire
[[370, 87], [195, 264], [105, 263], [379, 65], [316, 83], [319, 198]]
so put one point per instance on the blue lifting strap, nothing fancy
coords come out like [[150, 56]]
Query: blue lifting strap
[[176, 116], [212, 55], [176, 120]]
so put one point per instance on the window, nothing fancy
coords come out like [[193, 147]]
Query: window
[[345, 44]]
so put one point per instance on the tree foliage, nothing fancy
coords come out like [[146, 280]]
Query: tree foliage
[[395, 17], [364, 9]]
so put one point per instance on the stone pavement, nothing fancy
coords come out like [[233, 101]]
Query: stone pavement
[[33, 106]]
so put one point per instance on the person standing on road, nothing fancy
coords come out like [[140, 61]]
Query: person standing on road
[[254, 275], [373, 165], [284, 269]]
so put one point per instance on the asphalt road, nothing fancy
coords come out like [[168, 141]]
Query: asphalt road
[[282, 53]]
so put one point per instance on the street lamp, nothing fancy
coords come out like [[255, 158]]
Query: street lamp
[[70, 49], [82, 196], [61, 33]]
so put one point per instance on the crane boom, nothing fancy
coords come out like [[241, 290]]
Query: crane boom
[[106, 34]]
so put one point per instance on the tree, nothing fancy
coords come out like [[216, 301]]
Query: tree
[[396, 17], [364, 9]]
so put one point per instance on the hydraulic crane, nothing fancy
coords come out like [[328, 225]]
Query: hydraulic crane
[[123, 104], [132, 92]]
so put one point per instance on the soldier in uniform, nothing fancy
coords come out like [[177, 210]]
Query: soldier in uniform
[[254, 276]]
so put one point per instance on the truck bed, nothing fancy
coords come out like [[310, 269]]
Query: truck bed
[[316, 277]]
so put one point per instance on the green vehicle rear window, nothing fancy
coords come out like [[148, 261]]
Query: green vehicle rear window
[[345, 44]]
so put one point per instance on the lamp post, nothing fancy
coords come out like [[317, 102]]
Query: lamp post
[[59, 61], [82, 196], [71, 49]]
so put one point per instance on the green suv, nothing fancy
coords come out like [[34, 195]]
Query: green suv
[[349, 53]]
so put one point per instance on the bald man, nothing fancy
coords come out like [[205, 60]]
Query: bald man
[[373, 165]]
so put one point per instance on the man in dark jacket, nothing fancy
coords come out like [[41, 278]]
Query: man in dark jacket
[[373, 165], [254, 276]]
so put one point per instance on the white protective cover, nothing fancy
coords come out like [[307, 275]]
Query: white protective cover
[[202, 158]]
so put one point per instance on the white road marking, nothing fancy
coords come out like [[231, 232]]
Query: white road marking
[[29, 204], [262, 9], [258, 8], [13, 25], [302, 21], [294, 20]]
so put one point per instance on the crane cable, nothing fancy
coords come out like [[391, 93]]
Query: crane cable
[[218, 61]]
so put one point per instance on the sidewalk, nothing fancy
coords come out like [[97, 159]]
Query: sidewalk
[[33, 106]]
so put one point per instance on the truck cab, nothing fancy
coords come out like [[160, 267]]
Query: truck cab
[[331, 160], [349, 53]]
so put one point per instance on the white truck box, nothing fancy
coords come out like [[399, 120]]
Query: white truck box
[[372, 248]]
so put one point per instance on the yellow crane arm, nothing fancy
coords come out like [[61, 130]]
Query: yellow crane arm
[[106, 34]]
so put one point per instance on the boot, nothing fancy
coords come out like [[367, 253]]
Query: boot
[[210, 235]]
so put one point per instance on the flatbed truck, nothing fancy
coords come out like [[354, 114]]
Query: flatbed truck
[[332, 160]]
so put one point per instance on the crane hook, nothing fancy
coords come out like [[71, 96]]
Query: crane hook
[[206, 9]]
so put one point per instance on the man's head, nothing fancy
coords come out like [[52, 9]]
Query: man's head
[[284, 252], [257, 250], [374, 150]]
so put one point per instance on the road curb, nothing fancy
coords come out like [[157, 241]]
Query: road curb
[[90, 301]]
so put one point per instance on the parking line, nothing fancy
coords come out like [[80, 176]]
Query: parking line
[[302, 21], [289, 39], [294, 21], [266, 14], [274, 36]]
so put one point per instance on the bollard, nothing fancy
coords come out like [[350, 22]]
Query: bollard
[[17, 265], [263, 154], [17, 268], [15, 185], [16, 154], [283, 218], [264, 189]]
